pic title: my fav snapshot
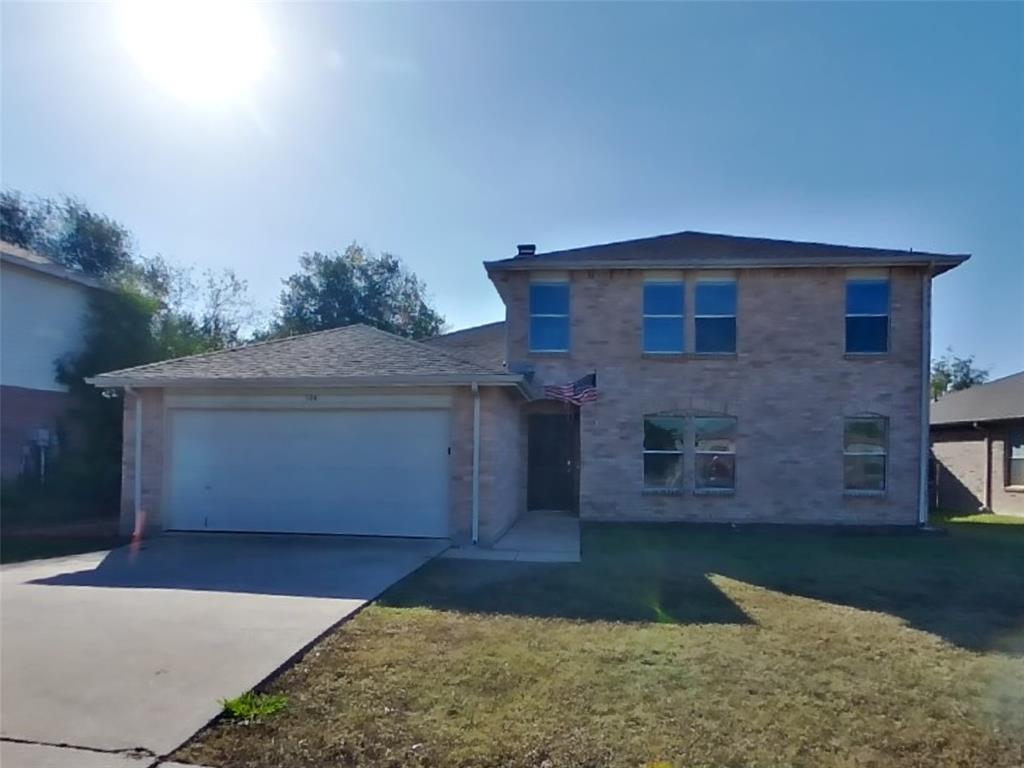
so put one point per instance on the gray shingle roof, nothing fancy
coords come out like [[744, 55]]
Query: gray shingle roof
[[995, 401], [483, 344], [703, 249], [354, 352]]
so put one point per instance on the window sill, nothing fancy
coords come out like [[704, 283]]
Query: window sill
[[549, 352], [676, 356], [863, 494], [864, 355], [714, 491], [1014, 488], [663, 492]]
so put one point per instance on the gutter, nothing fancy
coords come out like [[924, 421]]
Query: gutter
[[926, 356], [116, 380]]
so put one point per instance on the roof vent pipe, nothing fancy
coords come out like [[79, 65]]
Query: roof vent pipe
[[526, 250]]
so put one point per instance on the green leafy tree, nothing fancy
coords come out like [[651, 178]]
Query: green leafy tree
[[952, 374], [355, 286]]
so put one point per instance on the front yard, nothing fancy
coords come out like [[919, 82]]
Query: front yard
[[679, 647]]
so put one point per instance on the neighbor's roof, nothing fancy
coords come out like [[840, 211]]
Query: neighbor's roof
[[702, 249], [355, 354], [995, 401], [22, 257], [483, 344]]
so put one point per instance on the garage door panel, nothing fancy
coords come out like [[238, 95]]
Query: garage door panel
[[380, 472]]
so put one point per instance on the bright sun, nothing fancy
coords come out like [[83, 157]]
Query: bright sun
[[209, 52]]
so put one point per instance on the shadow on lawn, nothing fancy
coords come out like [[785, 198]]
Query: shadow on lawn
[[967, 587]]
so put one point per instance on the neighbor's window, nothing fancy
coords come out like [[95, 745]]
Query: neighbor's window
[[663, 452], [663, 317], [865, 441], [714, 443], [867, 316], [1015, 459], [715, 318], [549, 317]]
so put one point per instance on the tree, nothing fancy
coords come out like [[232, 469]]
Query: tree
[[355, 286], [952, 374], [68, 232]]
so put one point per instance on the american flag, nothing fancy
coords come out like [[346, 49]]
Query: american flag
[[578, 392]]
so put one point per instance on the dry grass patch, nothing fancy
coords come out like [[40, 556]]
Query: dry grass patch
[[667, 659]]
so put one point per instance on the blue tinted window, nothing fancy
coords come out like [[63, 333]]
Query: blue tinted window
[[549, 298], [663, 298], [663, 334], [549, 334], [867, 297], [715, 334], [716, 298], [867, 334]]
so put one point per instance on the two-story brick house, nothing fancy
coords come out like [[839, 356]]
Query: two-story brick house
[[736, 380]]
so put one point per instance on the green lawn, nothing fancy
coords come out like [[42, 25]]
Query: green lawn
[[675, 646]]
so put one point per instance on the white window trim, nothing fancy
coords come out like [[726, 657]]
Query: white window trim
[[887, 314], [711, 491], [681, 283], [884, 454], [713, 280], [1010, 458], [554, 280]]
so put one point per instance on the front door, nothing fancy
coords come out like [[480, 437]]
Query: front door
[[553, 476]]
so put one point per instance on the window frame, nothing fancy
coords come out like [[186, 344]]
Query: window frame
[[698, 316], [560, 281], [681, 453], [1011, 436], [884, 454], [710, 490], [679, 282], [847, 314]]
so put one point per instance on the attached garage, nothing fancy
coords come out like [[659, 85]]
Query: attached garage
[[351, 431], [359, 472]]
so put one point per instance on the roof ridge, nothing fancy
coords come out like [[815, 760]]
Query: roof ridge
[[237, 348], [430, 349]]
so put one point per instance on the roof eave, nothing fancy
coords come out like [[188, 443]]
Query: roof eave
[[53, 270], [938, 264], [105, 381]]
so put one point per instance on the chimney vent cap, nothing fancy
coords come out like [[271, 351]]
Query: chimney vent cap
[[526, 249]]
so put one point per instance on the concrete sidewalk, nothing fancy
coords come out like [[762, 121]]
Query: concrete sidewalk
[[536, 537]]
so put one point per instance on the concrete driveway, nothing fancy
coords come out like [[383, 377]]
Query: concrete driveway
[[120, 651]]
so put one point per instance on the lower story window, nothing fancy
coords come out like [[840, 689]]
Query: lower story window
[[865, 452], [1015, 459], [663, 452], [715, 448]]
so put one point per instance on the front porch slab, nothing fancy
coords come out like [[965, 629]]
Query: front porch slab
[[540, 536]]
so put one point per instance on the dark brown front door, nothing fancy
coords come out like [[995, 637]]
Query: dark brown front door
[[552, 481]]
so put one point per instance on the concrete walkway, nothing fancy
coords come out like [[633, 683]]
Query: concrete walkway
[[116, 658], [540, 536]]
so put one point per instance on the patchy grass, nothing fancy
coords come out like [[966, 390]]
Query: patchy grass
[[981, 518], [681, 647], [252, 707]]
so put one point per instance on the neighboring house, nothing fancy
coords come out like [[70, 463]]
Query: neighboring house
[[42, 306], [738, 380], [978, 447]]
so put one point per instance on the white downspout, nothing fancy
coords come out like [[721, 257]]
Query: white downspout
[[476, 463], [926, 357], [137, 471]]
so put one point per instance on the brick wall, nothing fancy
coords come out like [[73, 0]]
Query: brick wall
[[1004, 500], [24, 411], [152, 460], [789, 385], [960, 455]]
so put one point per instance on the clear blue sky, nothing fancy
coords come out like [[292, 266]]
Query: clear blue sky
[[448, 133]]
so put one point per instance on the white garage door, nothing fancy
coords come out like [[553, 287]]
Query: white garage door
[[382, 472]]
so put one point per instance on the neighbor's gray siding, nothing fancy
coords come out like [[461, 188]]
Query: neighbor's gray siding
[[789, 385]]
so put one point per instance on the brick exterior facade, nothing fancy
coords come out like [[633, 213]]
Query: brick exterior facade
[[24, 411], [789, 385], [971, 469]]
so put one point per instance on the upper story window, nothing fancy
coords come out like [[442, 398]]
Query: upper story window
[[1015, 458], [663, 316], [865, 451], [549, 317], [867, 316], [714, 442], [715, 318]]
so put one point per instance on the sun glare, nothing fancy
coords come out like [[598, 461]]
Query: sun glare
[[203, 52]]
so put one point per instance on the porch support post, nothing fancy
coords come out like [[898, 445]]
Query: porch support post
[[476, 463], [137, 460]]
